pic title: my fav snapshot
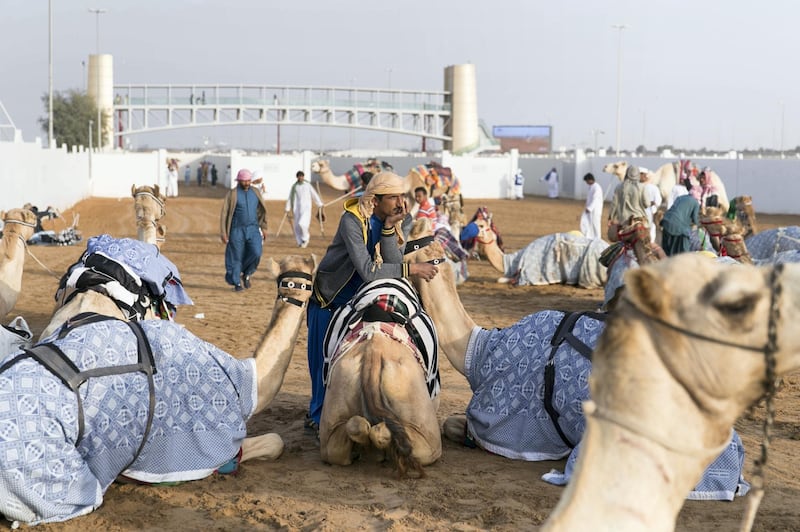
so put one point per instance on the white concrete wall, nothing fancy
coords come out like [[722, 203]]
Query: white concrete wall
[[30, 173]]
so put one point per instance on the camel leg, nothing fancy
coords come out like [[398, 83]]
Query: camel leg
[[265, 447], [342, 402]]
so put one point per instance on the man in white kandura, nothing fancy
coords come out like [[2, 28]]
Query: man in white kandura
[[551, 178], [593, 211], [299, 206]]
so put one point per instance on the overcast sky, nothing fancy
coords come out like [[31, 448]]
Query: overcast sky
[[700, 73]]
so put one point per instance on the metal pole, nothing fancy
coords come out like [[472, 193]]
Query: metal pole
[[50, 79], [90, 150], [619, 28], [97, 13], [783, 124]]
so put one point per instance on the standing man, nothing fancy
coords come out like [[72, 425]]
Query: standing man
[[704, 192], [593, 211], [243, 228], [298, 206], [677, 225], [629, 200], [519, 184], [653, 196], [551, 178], [172, 178], [368, 245], [187, 175], [426, 210], [214, 175]]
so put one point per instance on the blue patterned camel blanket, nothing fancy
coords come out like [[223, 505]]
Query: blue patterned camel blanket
[[125, 269], [384, 300], [512, 406], [775, 245], [560, 258], [203, 398]]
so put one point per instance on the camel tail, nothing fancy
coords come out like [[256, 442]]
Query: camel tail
[[400, 449]]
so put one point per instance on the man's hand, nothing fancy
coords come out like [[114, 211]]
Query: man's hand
[[397, 216], [224, 239], [423, 270]]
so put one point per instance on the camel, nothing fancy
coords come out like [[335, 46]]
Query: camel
[[19, 226], [552, 259], [349, 181], [676, 366], [635, 249], [746, 215], [148, 205], [183, 416], [666, 176], [382, 388]]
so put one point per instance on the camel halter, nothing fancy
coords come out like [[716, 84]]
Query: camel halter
[[770, 385], [156, 199], [412, 246], [25, 244], [283, 283]]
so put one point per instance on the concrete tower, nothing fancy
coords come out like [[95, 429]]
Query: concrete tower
[[459, 80], [100, 86]]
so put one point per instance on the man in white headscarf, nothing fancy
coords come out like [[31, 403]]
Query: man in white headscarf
[[368, 245], [653, 196]]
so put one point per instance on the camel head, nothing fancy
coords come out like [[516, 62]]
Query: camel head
[[320, 166], [618, 169], [148, 204], [294, 275], [20, 223], [709, 323]]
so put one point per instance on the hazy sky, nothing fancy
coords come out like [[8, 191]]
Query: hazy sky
[[717, 74]]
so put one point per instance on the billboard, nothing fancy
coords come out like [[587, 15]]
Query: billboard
[[527, 139]]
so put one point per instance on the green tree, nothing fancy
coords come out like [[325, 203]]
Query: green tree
[[72, 111]]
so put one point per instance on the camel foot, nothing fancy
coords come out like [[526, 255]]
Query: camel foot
[[358, 429], [380, 436], [455, 428], [264, 447]]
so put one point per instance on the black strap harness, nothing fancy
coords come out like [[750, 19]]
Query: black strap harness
[[564, 334], [283, 283], [56, 362]]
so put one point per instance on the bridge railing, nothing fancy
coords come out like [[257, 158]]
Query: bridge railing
[[208, 96]]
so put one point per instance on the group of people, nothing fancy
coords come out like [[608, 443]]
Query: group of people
[[637, 197]]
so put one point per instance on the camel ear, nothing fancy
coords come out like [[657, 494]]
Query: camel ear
[[155, 191], [273, 269], [133, 190], [645, 289], [314, 262]]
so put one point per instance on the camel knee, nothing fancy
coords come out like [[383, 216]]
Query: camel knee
[[264, 447], [455, 428], [380, 436], [358, 430]]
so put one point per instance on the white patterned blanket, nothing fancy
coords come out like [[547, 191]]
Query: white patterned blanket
[[509, 413], [203, 398], [560, 258]]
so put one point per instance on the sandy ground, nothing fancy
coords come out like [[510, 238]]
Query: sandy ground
[[466, 489]]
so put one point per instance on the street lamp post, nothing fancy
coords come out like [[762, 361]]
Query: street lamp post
[[389, 71], [97, 12], [278, 119], [783, 124], [595, 134], [619, 28], [50, 75]]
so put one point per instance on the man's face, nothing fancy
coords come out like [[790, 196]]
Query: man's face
[[420, 196], [244, 184], [702, 180], [389, 204], [301, 178]]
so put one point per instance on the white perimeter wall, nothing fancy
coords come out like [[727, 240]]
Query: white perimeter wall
[[30, 173]]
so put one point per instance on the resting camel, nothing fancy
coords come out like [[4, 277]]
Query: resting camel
[[19, 225], [157, 404], [634, 249], [552, 259], [529, 379], [666, 176], [692, 345], [381, 387], [148, 205]]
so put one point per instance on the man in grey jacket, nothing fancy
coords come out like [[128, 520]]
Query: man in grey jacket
[[367, 246]]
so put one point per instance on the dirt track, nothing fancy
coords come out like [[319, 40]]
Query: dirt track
[[466, 490]]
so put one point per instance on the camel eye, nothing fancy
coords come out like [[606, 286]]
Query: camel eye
[[739, 307]]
